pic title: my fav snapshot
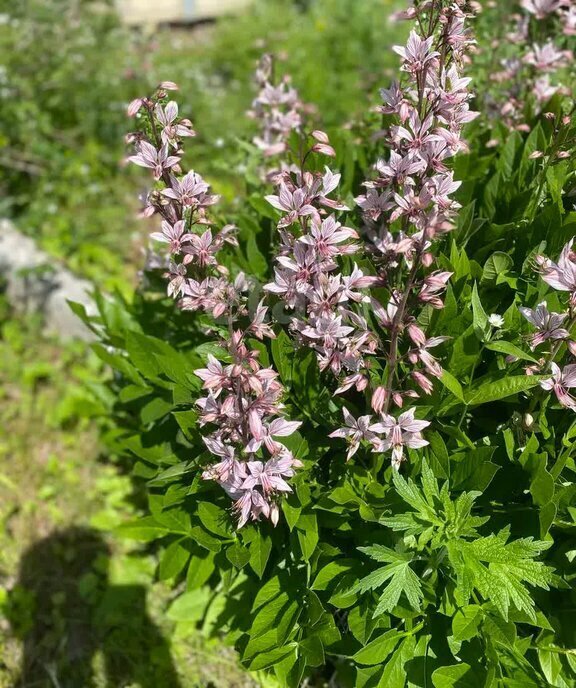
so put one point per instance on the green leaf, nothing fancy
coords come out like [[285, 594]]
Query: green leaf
[[329, 573], [496, 267], [487, 392], [264, 660], [292, 509], [452, 385], [361, 622], [173, 560], [282, 355], [480, 319], [394, 674], [307, 531], [238, 555], [144, 529], [501, 570], [454, 676], [260, 549], [378, 649], [510, 350], [473, 470], [215, 519], [466, 621], [438, 457], [399, 576], [313, 650], [267, 616], [200, 569]]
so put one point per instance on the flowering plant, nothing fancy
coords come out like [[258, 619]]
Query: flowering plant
[[412, 305]]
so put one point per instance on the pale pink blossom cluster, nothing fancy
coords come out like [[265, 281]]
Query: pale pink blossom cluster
[[308, 274], [243, 401], [277, 108], [409, 204], [556, 327], [244, 404], [388, 433], [533, 70]]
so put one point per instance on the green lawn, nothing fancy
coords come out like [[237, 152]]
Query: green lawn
[[76, 608]]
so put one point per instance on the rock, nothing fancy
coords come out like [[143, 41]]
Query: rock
[[36, 283]]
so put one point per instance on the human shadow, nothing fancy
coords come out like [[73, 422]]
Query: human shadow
[[77, 629]]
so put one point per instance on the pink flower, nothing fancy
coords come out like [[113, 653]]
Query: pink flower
[[214, 376], [560, 382], [269, 476], [191, 191], [561, 275], [355, 431], [264, 434], [328, 329], [404, 431], [541, 8], [258, 326], [251, 505], [171, 128], [417, 54], [548, 324], [201, 249], [546, 58], [294, 203], [327, 235], [157, 160], [173, 235]]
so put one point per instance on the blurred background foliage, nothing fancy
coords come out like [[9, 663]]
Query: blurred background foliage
[[68, 69], [76, 607]]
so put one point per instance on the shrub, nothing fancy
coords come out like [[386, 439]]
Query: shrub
[[430, 328], [66, 72]]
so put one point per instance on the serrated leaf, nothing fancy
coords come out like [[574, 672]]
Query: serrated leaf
[[501, 570], [398, 575], [466, 621]]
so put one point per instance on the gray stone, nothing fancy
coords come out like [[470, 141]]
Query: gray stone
[[36, 283]]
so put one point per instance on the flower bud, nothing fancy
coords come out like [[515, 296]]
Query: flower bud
[[274, 514], [325, 149], [320, 136], [528, 421], [378, 399], [134, 107]]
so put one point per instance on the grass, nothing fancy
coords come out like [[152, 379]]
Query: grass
[[76, 607]]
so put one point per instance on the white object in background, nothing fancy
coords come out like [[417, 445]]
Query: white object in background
[[137, 12]]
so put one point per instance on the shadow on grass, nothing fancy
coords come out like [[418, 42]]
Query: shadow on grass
[[78, 630]]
